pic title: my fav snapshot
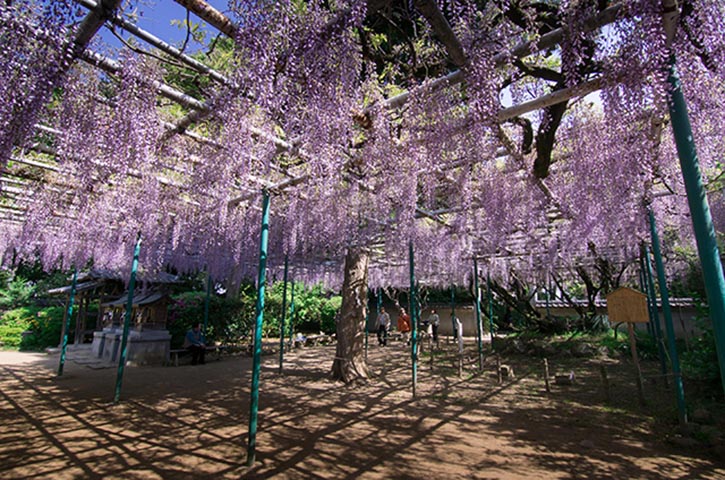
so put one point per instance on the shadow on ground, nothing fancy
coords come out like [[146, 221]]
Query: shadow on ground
[[192, 421]]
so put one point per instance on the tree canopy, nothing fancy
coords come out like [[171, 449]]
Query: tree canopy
[[463, 127]]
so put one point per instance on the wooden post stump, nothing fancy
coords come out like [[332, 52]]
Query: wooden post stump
[[605, 382], [635, 359]]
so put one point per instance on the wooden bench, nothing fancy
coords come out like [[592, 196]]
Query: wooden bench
[[175, 353]]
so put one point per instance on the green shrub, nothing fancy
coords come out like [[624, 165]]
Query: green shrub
[[618, 343], [15, 292], [43, 325], [314, 309], [10, 335], [229, 319], [45, 328], [13, 323], [700, 362]]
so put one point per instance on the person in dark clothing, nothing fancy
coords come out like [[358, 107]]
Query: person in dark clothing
[[382, 325], [194, 343]]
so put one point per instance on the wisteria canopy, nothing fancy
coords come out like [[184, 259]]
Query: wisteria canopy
[[462, 126]]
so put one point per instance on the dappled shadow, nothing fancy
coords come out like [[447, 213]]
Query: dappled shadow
[[191, 422]]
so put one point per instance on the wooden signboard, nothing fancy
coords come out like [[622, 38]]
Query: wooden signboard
[[627, 305]]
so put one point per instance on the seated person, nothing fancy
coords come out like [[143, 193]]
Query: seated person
[[194, 343]]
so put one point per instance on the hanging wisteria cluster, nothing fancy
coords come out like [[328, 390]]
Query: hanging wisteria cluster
[[35, 54], [303, 114]]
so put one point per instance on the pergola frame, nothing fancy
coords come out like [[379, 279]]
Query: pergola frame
[[100, 13]]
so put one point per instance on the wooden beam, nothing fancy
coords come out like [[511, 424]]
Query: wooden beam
[[160, 44], [92, 23], [114, 67], [210, 15]]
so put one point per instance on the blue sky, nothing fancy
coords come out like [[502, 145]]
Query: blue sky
[[155, 16]]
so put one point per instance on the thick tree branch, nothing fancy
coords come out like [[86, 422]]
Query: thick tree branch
[[545, 138], [443, 30], [539, 72]]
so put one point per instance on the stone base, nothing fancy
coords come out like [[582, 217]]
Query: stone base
[[144, 347]]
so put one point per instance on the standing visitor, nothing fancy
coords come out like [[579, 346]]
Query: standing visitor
[[382, 324], [459, 333], [434, 320], [404, 325]]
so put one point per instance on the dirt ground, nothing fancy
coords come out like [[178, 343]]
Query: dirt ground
[[191, 422]]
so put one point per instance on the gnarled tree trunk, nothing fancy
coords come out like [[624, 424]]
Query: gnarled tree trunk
[[350, 364]]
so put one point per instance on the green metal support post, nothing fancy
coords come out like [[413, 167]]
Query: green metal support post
[[548, 300], [380, 303], [127, 320], [653, 312], [206, 305], [479, 327], [66, 327], [490, 306], [700, 212], [453, 311], [413, 321], [257, 359], [284, 314], [646, 267], [643, 288], [664, 293], [367, 320], [291, 314]]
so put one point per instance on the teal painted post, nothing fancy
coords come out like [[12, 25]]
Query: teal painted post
[[66, 327], [643, 288], [700, 212], [378, 307], [413, 321], [453, 311], [664, 293], [257, 359], [654, 313], [297, 310], [367, 320], [284, 314], [490, 307], [380, 302], [206, 305], [548, 295], [291, 314], [479, 327], [127, 320]]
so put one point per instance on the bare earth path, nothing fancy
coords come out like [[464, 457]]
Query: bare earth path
[[191, 422]]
